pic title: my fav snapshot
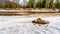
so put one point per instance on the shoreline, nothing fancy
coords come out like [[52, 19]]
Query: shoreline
[[33, 14], [32, 10], [27, 12]]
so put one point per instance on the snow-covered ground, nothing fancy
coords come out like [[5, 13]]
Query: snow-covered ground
[[23, 25]]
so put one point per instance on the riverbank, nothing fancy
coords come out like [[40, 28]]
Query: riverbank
[[30, 14], [27, 12], [30, 10]]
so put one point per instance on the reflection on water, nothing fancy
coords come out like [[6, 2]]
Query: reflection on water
[[23, 25]]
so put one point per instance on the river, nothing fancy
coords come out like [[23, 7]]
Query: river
[[23, 24]]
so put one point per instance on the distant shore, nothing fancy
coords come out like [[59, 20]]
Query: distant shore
[[30, 10], [31, 14], [27, 12]]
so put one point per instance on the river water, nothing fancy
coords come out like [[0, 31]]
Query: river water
[[24, 25]]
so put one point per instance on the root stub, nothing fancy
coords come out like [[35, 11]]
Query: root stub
[[40, 21]]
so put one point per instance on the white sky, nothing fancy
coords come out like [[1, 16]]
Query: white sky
[[21, 1]]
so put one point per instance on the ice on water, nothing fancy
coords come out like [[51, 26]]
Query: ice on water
[[23, 25]]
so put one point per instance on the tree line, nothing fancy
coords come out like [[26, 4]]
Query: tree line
[[32, 4]]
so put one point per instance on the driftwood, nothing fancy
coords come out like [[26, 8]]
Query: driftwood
[[40, 21]]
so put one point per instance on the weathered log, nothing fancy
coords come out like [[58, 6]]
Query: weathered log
[[40, 21]]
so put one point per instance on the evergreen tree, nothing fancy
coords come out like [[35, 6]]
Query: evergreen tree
[[58, 4], [52, 5], [44, 4], [30, 3], [39, 3]]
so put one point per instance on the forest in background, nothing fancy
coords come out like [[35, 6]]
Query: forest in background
[[32, 4]]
